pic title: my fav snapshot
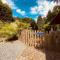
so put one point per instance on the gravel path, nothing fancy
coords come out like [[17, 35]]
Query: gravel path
[[10, 50], [31, 53]]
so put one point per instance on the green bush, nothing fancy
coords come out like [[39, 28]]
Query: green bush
[[11, 29], [7, 29]]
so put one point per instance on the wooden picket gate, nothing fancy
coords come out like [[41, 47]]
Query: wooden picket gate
[[30, 38]]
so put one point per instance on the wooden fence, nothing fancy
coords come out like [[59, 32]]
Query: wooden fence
[[30, 38], [52, 40]]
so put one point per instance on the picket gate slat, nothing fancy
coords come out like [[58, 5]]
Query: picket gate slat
[[30, 38]]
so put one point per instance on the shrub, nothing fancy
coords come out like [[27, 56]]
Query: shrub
[[8, 29]]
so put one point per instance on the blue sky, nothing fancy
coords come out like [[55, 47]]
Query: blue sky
[[30, 8]]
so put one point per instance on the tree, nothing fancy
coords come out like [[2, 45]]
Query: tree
[[34, 25], [0, 2], [5, 13], [40, 22], [50, 15], [56, 10], [27, 20]]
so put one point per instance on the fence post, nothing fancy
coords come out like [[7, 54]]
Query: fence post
[[25, 36], [30, 38], [35, 38]]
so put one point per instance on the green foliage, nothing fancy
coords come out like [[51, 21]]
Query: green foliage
[[40, 22], [27, 20], [24, 25], [0, 2], [1, 24], [5, 13], [33, 25], [46, 25], [8, 29], [52, 14], [56, 10]]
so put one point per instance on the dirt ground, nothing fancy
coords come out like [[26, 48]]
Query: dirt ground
[[10, 50], [31, 53]]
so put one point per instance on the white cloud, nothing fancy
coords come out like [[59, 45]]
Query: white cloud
[[33, 10], [21, 12], [4, 1], [42, 7], [10, 3]]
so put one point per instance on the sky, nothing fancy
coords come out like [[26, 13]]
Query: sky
[[30, 8]]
